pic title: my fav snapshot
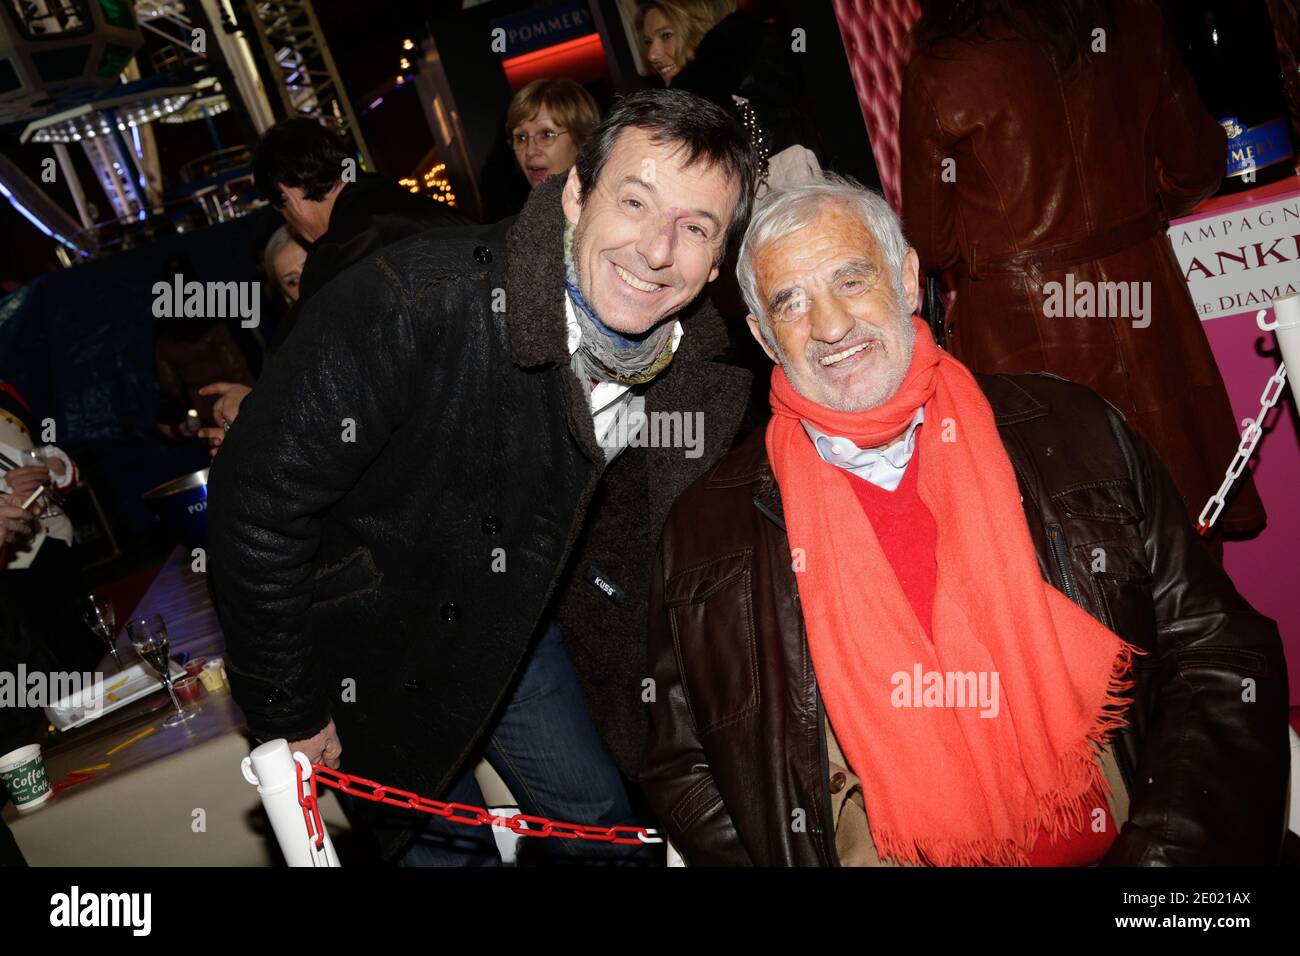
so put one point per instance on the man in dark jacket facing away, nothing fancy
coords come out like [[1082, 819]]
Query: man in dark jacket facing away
[[926, 617], [343, 215], [393, 511], [339, 215]]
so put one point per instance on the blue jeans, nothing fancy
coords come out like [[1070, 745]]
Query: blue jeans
[[547, 750]]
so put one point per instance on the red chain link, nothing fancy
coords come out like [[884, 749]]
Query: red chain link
[[310, 809], [475, 816]]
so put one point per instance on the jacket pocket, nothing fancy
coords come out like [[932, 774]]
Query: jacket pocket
[[1111, 502], [701, 798], [352, 578], [1109, 558], [1121, 586], [711, 609], [1233, 660]]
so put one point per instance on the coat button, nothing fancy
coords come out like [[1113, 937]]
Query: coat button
[[482, 255], [414, 684], [838, 781], [491, 524], [450, 612]]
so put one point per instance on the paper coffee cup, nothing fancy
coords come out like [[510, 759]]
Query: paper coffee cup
[[22, 773]]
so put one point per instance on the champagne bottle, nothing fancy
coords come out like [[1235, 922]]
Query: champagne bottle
[[1229, 49]]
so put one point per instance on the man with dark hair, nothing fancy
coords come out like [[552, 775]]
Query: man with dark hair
[[339, 214], [461, 463], [307, 173]]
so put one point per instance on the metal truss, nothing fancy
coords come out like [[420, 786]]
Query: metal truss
[[305, 75]]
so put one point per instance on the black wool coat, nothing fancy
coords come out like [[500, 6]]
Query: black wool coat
[[606, 632], [394, 513], [369, 214]]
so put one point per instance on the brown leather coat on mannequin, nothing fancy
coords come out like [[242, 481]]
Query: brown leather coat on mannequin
[[1057, 174]]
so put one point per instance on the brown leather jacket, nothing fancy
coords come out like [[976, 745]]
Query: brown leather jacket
[[737, 742], [1062, 174]]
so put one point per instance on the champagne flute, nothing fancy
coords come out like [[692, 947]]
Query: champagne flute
[[149, 638], [98, 614]]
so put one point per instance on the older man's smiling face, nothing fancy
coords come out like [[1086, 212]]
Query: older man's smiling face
[[840, 332], [652, 232]]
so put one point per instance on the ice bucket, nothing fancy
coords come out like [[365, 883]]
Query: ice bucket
[[182, 506]]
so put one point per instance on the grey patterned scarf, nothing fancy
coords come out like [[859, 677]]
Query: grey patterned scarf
[[604, 355]]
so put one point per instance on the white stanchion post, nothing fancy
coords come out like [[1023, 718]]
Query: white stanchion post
[[1286, 326], [274, 771], [1293, 813], [507, 840], [674, 858]]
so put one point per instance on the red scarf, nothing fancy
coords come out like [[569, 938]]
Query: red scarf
[[944, 785]]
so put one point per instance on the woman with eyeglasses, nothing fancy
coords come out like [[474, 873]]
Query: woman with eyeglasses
[[547, 122]]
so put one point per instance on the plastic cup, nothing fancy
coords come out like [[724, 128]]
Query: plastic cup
[[188, 690], [22, 773], [213, 676], [194, 665]]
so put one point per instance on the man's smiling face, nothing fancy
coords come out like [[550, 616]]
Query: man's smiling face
[[839, 328], [651, 234]]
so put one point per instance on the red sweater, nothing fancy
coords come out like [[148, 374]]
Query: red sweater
[[909, 538]]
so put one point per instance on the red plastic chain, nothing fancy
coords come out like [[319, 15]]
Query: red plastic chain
[[310, 808], [520, 823]]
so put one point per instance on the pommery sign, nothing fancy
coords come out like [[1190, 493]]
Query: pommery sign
[[544, 27], [1240, 260]]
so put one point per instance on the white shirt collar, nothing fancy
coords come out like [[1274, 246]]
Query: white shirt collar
[[883, 467]]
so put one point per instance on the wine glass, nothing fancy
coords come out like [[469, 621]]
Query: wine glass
[[149, 638], [98, 614]]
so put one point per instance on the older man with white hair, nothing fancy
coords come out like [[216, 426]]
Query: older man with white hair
[[928, 617]]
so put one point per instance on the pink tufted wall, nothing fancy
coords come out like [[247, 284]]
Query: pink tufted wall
[[876, 44]]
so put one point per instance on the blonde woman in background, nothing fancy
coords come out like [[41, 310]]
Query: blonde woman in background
[[282, 261], [671, 31], [745, 65], [547, 122]]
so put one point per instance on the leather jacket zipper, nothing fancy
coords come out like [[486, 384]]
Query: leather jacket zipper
[[828, 831], [1056, 537]]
